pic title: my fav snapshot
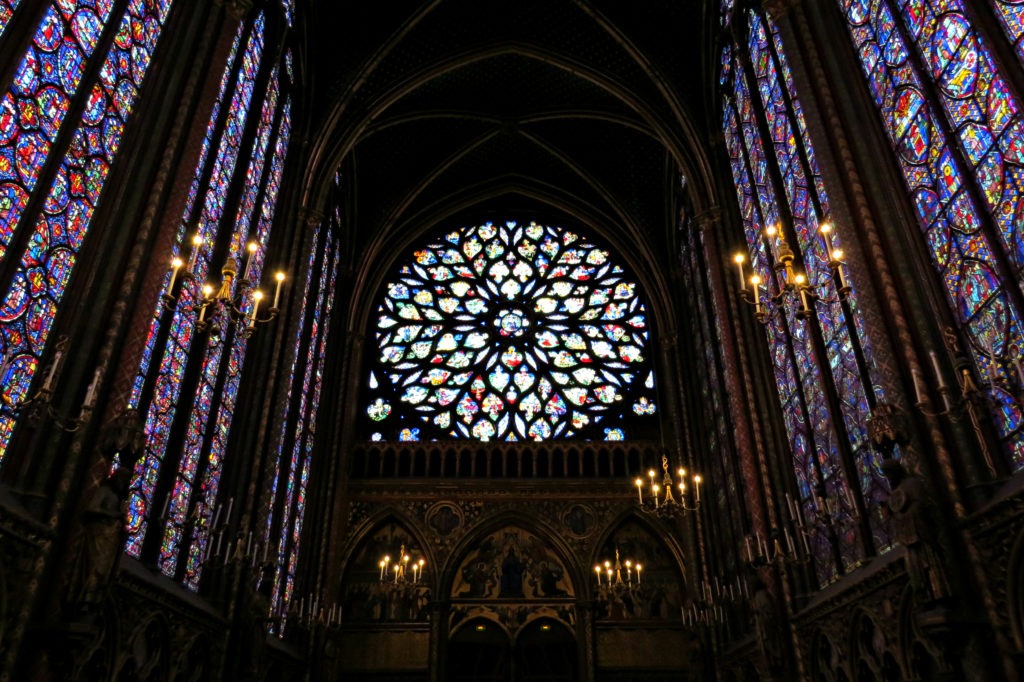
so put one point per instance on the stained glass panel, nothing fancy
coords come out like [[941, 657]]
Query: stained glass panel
[[985, 121], [1011, 14], [229, 391], [813, 441], [509, 332], [193, 192], [30, 305], [163, 406], [294, 506], [33, 109], [7, 8], [807, 201]]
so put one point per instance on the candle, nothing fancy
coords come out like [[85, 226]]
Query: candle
[[696, 488], [755, 283], [640, 490], [248, 544], [227, 517], [257, 296], [638, 569], [277, 292], [1020, 370], [826, 228], [175, 266], [938, 369], [790, 548], [197, 242], [250, 256], [382, 565], [805, 306], [51, 376], [90, 393], [738, 258], [597, 570], [746, 541], [654, 490], [216, 514], [216, 550]]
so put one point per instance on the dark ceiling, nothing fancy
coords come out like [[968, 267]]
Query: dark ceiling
[[450, 110]]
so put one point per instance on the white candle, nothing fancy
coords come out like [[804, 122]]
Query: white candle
[[257, 296], [696, 489], [277, 292], [938, 369], [639, 490], [197, 243], [597, 570], [175, 266], [750, 555], [250, 256], [738, 258], [90, 393], [216, 514]]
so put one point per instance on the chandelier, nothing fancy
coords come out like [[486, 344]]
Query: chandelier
[[660, 498], [226, 305], [398, 573], [795, 286]]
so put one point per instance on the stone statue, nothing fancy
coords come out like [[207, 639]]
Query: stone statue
[[768, 625], [917, 525], [103, 536]]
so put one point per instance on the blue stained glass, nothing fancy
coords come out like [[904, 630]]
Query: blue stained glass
[[193, 192], [775, 86], [981, 117], [170, 373], [798, 375], [229, 394], [34, 108], [7, 8], [40, 281], [1011, 14], [555, 323]]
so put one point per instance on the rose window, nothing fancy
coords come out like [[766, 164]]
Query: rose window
[[510, 332]]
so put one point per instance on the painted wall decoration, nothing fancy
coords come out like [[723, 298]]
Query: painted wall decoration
[[373, 593], [512, 563], [655, 592]]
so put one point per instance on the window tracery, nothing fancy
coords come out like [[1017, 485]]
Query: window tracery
[[510, 332]]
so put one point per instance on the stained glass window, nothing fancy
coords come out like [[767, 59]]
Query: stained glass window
[[1011, 14], [825, 397], [162, 408], [7, 8], [241, 229], [959, 141], [289, 488], [33, 111], [510, 332]]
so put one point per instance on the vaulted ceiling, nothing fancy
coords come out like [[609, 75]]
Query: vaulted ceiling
[[446, 110]]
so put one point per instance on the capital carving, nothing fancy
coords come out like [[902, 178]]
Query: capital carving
[[311, 216], [236, 8], [778, 8], [708, 219]]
